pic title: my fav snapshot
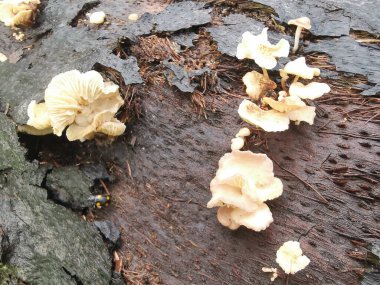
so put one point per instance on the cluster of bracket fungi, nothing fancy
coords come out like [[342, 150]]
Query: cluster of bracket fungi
[[245, 180]]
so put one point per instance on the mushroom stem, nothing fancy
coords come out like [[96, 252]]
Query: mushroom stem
[[297, 38], [283, 83], [265, 72], [296, 79]]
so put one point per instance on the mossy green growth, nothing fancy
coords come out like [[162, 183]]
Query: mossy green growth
[[7, 272]]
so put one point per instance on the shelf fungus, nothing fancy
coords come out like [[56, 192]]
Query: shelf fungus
[[293, 107], [14, 13], [269, 121], [243, 182], [290, 258], [257, 84], [310, 91], [82, 102], [261, 50]]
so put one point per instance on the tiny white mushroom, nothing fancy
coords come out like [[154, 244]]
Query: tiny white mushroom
[[237, 143], [290, 258], [269, 121], [301, 23], [311, 91], [271, 270], [299, 68], [243, 132], [97, 17], [133, 17]]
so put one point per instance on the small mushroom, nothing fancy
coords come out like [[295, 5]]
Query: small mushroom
[[269, 121], [301, 23], [290, 258], [299, 68], [97, 17], [257, 84], [38, 116], [133, 17], [310, 91], [243, 132], [261, 50], [237, 143]]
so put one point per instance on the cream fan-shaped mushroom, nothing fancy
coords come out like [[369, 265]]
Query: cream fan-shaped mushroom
[[301, 23], [38, 116], [229, 192], [269, 121], [294, 107], [249, 174], [261, 50], [299, 68], [257, 84], [285, 104], [304, 114], [310, 91], [18, 12], [256, 220], [104, 122], [75, 96], [290, 257]]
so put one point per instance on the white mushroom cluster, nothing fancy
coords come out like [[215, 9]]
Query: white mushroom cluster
[[238, 141], [14, 13], [274, 112], [243, 182], [81, 102]]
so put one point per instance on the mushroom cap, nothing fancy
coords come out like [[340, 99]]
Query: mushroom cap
[[284, 104], [77, 98], [304, 114], [133, 17], [257, 84], [38, 116], [243, 132], [311, 91], [3, 57], [248, 176], [256, 220], [261, 50], [237, 143], [97, 17], [290, 258], [303, 22], [269, 121], [294, 107], [298, 67]]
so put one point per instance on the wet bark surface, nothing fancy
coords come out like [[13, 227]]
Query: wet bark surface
[[163, 164]]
